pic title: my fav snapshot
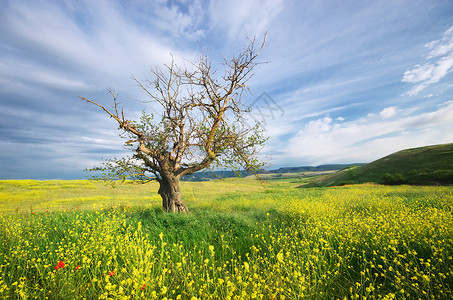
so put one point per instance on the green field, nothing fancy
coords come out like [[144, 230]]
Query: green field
[[243, 239], [429, 165]]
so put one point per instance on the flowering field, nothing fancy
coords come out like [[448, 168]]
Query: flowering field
[[242, 240]]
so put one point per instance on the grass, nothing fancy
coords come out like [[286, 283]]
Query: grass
[[242, 240], [60, 195], [431, 165]]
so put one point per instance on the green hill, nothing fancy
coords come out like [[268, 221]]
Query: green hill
[[431, 165]]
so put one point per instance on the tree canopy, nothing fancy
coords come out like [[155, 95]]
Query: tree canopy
[[202, 123]]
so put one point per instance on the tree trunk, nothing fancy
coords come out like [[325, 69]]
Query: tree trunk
[[171, 195]]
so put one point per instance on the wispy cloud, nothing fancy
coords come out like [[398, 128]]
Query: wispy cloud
[[106, 45], [33, 75], [438, 63], [240, 18]]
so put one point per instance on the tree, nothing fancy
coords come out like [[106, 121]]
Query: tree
[[202, 124]]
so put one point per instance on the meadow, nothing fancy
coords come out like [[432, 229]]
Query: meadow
[[243, 239]]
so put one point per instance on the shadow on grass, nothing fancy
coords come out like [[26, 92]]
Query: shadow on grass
[[209, 227]]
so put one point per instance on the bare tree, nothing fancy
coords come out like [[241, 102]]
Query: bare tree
[[202, 124]]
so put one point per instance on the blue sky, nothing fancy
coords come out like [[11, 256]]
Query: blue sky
[[349, 81]]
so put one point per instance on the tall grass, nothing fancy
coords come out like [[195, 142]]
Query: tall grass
[[242, 240]]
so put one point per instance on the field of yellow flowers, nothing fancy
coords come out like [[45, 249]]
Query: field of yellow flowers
[[242, 240]]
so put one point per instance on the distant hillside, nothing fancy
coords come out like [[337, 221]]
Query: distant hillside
[[429, 165], [204, 176], [321, 168]]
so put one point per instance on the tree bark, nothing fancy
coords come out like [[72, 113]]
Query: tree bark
[[170, 192]]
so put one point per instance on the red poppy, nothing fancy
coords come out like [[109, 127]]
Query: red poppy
[[111, 273], [78, 267], [59, 266], [143, 287]]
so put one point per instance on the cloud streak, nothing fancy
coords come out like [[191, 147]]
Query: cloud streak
[[439, 63]]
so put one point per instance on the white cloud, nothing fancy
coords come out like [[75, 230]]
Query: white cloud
[[363, 140], [439, 64], [419, 73], [319, 126], [388, 112], [443, 46]]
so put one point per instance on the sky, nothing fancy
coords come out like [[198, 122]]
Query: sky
[[343, 82]]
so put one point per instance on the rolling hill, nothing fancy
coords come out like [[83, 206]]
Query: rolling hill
[[270, 174], [430, 165]]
